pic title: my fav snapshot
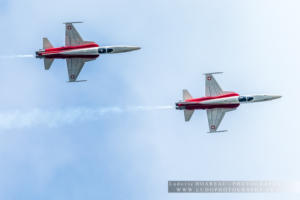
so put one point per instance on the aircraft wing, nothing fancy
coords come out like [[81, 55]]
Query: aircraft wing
[[215, 117], [212, 88], [73, 38], [74, 67], [188, 114]]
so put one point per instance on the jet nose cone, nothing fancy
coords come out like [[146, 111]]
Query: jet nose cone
[[271, 97], [135, 48], [123, 49], [259, 98], [132, 48], [276, 97]]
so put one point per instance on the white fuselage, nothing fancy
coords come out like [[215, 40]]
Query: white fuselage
[[82, 52], [241, 99], [225, 100], [222, 101]]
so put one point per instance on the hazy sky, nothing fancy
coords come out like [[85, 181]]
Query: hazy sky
[[88, 140]]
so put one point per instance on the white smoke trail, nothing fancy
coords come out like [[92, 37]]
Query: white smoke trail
[[52, 118], [18, 56], [148, 108], [25, 56]]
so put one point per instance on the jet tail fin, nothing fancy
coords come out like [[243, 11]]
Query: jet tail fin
[[48, 62], [47, 44], [188, 115], [186, 95]]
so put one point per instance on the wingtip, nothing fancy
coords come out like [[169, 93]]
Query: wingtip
[[72, 22], [77, 81], [222, 131], [213, 73]]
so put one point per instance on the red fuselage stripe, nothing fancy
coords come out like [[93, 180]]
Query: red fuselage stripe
[[57, 52], [232, 94], [191, 104], [65, 48]]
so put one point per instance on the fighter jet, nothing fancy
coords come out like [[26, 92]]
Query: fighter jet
[[216, 102], [76, 51]]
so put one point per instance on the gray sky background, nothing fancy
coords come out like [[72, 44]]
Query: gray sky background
[[132, 154]]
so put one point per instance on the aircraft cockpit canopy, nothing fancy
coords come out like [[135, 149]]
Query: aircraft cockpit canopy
[[105, 50], [245, 99]]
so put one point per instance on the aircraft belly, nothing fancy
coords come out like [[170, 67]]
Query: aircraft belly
[[62, 56], [209, 106]]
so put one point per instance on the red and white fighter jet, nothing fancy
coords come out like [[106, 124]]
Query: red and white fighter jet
[[217, 102], [76, 51]]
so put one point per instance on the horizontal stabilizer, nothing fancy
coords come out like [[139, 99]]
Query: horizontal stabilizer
[[48, 62], [188, 115], [47, 44], [186, 95]]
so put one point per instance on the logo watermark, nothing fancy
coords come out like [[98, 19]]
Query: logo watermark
[[232, 186]]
